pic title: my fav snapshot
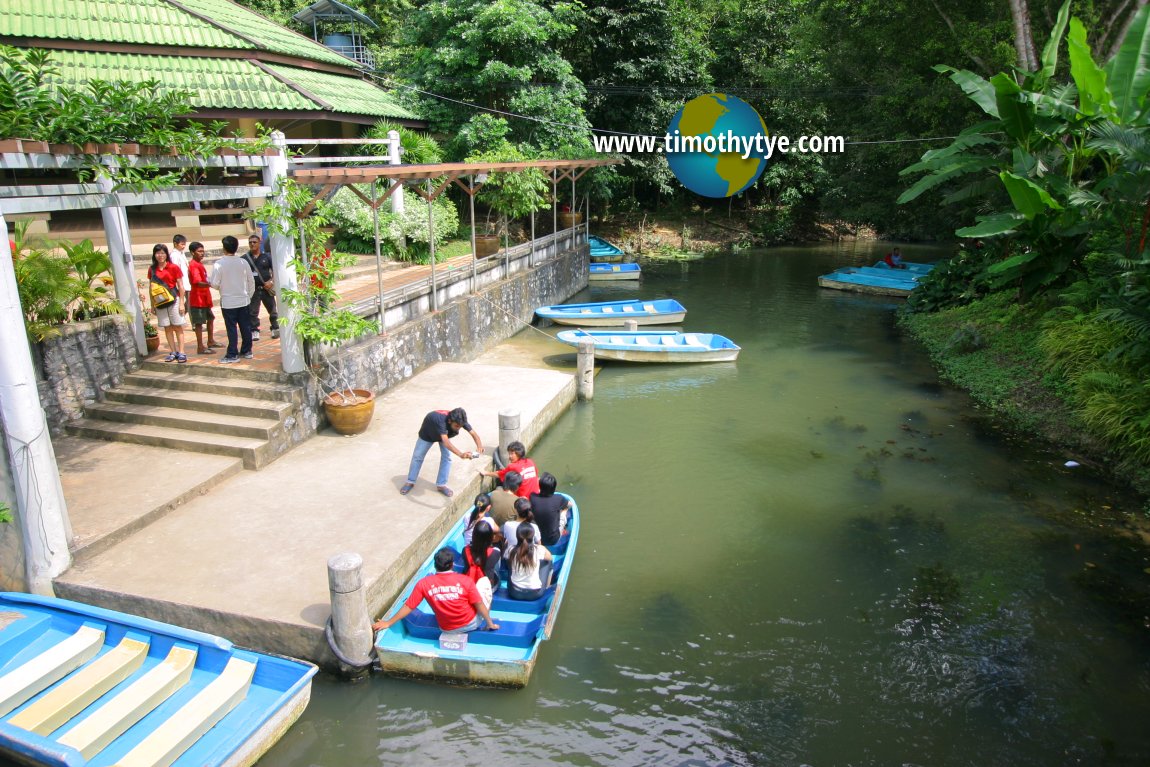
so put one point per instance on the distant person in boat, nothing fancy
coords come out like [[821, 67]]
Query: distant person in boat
[[530, 565], [452, 596], [523, 516], [438, 427], [549, 510], [523, 466], [894, 259], [503, 499]]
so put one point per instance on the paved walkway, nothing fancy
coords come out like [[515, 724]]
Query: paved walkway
[[245, 555]]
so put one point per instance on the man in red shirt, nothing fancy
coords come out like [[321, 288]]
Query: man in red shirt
[[452, 596], [200, 300], [523, 466]]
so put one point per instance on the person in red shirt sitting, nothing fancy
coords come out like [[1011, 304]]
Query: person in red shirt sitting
[[894, 259], [522, 465], [452, 596]]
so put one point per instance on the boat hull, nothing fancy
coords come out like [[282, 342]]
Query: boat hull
[[654, 345], [608, 258], [873, 287], [665, 311], [487, 661], [614, 274]]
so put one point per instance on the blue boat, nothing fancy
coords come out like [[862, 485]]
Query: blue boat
[[866, 279], [662, 311], [603, 251], [655, 345], [604, 272], [502, 658], [84, 686]]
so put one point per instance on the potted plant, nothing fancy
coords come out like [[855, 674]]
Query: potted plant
[[318, 323], [151, 334]]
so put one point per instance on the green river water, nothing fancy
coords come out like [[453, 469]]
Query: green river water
[[818, 555]]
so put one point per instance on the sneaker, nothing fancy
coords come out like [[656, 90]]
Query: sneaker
[[255, 335], [248, 356], [229, 360], [275, 332]]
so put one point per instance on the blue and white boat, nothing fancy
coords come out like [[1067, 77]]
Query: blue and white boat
[[603, 251], [655, 345], [605, 272], [502, 658], [866, 279], [84, 686], [661, 311]]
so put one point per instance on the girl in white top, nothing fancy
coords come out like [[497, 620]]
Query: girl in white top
[[511, 526], [530, 564]]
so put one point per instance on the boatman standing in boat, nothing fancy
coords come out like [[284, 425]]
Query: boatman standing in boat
[[438, 427], [452, 596]]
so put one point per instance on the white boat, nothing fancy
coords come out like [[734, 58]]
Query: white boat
[[655, 345], [660, 311]]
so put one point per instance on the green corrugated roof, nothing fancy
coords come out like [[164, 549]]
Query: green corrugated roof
[[159, 22], [233, 83], [345, 94]]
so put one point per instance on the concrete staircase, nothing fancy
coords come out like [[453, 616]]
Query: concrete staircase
[[247, 414]]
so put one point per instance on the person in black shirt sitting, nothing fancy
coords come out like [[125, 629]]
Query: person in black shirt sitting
[[549, 510]]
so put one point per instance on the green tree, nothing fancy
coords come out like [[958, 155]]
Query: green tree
[[500, 56]]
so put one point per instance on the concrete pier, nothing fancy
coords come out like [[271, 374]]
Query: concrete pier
[[246, 557]]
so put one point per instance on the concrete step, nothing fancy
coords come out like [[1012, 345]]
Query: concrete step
[[190, 420], [254, 452], [226, 372], [204, 402], [150, 378]]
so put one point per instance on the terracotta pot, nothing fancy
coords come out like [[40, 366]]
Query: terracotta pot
[[568, 220], [63, 149], [486, 245], [153, 343], [349, 418], [132, 149], [34, 146], [10, 145]]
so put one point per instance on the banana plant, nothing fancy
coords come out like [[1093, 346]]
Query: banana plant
[[1053, 158]]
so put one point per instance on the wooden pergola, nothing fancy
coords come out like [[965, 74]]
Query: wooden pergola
[[432, 180]]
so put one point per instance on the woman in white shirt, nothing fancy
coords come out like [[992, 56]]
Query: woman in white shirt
[[530, 564]]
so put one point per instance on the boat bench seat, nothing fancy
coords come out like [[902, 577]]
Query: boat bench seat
[[503, 602], [510, 634]]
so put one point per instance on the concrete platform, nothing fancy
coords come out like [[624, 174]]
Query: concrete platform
[[248, 559]]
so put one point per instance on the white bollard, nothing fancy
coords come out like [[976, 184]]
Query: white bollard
[[631, 325], [350, 634], [585, 372], [508, 433]]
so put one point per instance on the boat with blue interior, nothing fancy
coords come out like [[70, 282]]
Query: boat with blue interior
[[654, 345], [660, 311], [611, 272], [603, 251], [867, 279], [416, 647], [82, 686]]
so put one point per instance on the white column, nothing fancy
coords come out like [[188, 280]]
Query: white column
[[123, 270], [283, 253], [394, 159], [39, 497]]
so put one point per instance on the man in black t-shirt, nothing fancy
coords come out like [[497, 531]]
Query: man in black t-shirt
[[261, 264], [438, 427], [549, 510]]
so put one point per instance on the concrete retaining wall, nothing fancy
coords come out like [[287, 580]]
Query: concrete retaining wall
[[77, 366]]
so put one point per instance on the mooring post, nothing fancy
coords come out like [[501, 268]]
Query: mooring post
[[585, 374], [631, 325], [508, 433], [350, 633]]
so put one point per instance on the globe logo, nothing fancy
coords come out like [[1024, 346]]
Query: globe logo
[[712, 145]]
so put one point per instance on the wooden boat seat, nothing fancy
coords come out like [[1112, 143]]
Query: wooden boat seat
[[668, 341], [645, 341], [53, 664], [628, 308], [649, 308], [693, 340], [501, 601], [608, 310], [616, 340], [510, 634]]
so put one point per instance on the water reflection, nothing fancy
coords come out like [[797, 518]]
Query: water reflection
[[816, 555]]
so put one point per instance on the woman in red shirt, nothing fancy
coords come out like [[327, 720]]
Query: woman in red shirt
[[170, 317]]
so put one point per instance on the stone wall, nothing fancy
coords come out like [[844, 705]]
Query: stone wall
[[80, 364], [459, 331]]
